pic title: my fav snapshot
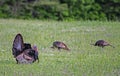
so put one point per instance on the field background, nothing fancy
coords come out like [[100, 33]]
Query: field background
[[83, 59]]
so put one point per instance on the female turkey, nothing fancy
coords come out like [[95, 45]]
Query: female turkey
[[23, 52], [60, 45], [102, 43]]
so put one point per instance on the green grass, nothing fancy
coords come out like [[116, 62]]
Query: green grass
[[83, 59]]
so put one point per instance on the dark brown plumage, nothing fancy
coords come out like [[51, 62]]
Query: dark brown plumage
[[27, 46], [60, 45], [102, 43], [23, 52]]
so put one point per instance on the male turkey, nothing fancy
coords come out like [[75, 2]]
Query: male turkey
[[60, 45], [102, 43], [23, 52]]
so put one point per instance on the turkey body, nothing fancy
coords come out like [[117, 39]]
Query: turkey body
[[60, 45], [23, 52], [102, 43]]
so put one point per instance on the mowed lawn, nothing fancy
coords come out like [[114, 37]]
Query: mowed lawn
[[83, 59]]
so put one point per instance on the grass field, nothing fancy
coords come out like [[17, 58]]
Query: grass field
[[83, 59]]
